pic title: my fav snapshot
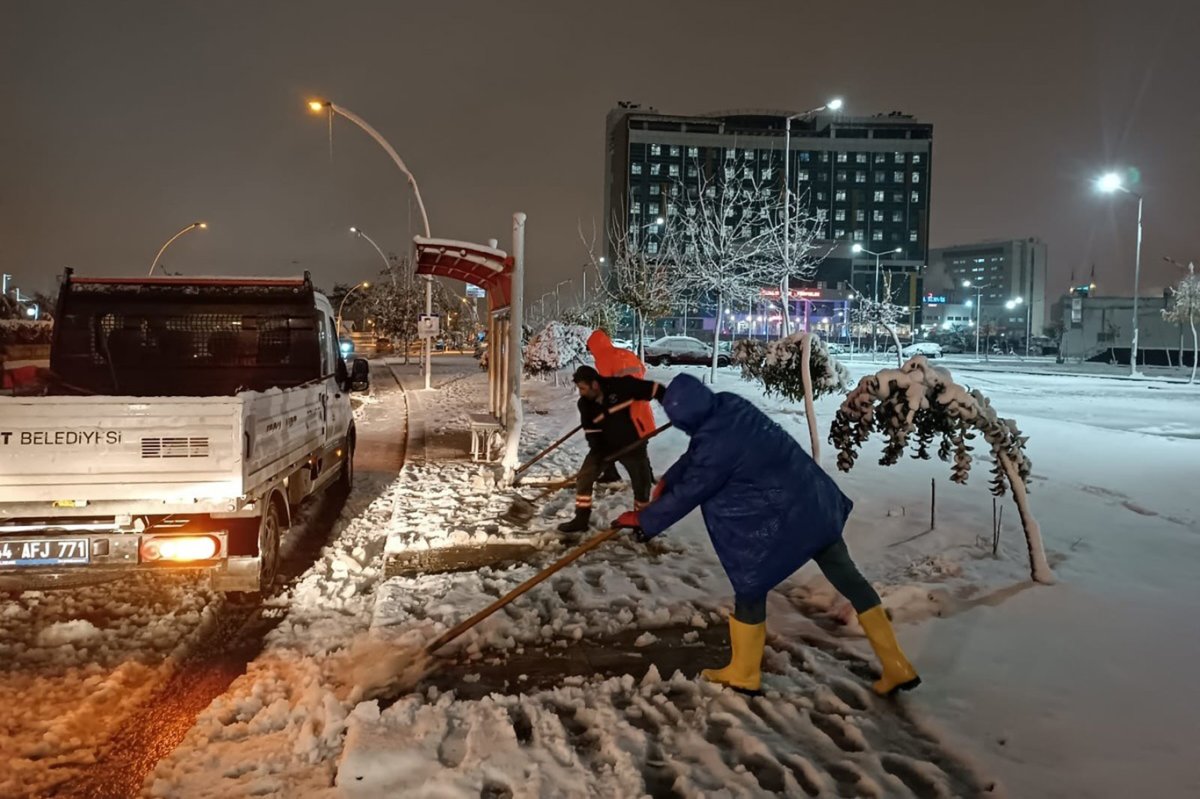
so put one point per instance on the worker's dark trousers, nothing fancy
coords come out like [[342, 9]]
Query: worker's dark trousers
[[839, 569], [637, 463]]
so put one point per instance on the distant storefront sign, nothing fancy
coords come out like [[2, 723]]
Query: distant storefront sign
[[935, 299], [798, 294], [475, 292]]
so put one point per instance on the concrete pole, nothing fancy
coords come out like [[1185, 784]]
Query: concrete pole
[[516, 319], [785, 327], [1137, 280]]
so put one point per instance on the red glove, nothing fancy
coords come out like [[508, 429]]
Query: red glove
[[628, 521], [658, 490]]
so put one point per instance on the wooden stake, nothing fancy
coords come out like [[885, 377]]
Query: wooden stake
[[932, 503]]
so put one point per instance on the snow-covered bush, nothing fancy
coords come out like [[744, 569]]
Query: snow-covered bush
[[23, 332], [556, 346], [778, 366], [923, 400]]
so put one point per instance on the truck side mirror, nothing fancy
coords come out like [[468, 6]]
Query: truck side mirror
[[360, 375]]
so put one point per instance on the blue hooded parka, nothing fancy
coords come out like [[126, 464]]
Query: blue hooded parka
[[768, 506]]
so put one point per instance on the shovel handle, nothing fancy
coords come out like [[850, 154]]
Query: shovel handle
[[525, 466], [556, 566], [561, 484]]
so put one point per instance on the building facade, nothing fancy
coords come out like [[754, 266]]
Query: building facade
[[1101, 329], [868, 176], [1001, 272]]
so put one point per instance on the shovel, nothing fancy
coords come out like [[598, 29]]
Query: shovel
[[525, 466], [522, 510]]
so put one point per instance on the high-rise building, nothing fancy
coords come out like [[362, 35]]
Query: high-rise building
[[870, 176], [1003, 272]]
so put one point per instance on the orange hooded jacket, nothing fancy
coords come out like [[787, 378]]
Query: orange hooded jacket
[[612, 361]]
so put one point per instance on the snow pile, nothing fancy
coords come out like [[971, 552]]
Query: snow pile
[[75, 663], [554, 347]]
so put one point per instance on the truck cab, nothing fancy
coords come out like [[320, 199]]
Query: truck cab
[[181, 423]]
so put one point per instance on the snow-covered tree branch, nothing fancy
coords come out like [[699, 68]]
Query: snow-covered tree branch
[[1185, 309], [793, 245], [882, 313], [396, 300], [923, 399]]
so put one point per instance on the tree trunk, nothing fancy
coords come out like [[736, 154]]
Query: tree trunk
[[1038, 566], [716, 338], [640, 332], [1195, 350], [785, 318], [896, 341], [810, 412]]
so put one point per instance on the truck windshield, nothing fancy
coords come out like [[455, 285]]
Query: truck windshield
[[161, 345]]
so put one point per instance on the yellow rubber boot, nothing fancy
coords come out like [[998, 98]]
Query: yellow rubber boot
[[744, 671], [898, 673]]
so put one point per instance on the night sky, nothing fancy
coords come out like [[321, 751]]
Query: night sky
[[126, 120]]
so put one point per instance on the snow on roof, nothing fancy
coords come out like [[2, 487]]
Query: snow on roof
[[463, 246]]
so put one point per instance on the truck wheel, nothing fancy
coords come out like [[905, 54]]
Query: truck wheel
[[270, 534]]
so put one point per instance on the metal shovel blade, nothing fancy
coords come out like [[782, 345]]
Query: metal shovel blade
[[520, 512]]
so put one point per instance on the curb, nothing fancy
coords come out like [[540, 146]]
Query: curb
[[415, 448]]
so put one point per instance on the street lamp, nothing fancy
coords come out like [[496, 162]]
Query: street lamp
[[858, 248], [342, 304], [558, 299], [162, 249], [978, 310], [833, 105], [357, 231], [317, 106], [1109, 183]]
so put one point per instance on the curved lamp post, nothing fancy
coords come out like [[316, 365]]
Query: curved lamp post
[[357, 231], [858, 248], [1109, 183], [332, 108], [342, 304], [785, 298], [162, 249]]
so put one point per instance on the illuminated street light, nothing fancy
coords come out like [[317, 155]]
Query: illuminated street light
[[857, 249], [318, 106], [162, 249], [342, 304], [1110, 183], [360, 233]]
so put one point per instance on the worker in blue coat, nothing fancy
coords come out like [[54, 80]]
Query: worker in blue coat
[[769, 509]]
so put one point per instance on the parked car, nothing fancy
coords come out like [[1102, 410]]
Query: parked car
[[384, 346], [834, 348], [930, 349], [683, 350], [623, 343]]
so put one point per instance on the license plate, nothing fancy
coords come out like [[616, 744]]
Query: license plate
[[44, 552]]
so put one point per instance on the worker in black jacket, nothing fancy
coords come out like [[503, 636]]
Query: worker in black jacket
[[604, 412]]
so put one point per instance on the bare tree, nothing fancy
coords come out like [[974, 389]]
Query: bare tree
[[884, 313], [719, 236], [793, 247], [1185, 308], [643, 273], [396, 301]]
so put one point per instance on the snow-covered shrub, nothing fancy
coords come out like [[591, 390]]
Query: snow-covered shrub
[[25, 333], [778, 366], [556, 346], [923, 400]]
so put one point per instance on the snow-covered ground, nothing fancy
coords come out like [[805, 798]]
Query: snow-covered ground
[[1073, 690]]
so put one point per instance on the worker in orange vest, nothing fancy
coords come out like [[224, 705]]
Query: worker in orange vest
[[614, 361]]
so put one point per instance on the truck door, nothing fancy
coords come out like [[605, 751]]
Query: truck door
[[337, 403]]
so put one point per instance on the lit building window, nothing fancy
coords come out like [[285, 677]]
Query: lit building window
[[877, 235], [858, 235], [860, 177], [839, 233], [821, 196], [916, 158], [691, 172], [803, 176], [877, 215], [840, 215], [916, 197], [805, 157], [652, 247], [897, 216], [897, 177], [693, 152], [916, 177], [880, 158], [673, 170], [710, 192], [860, 158], [840, 195], [880, 177], [652, 209], [841, 176], [897, 196], [860, 216], [825, 157], [674, 152], [635, 169], [898, 157], [635, 209], [656, 169], [879, 196], [655, 189], [841, 158], [655, 149], [748, 155]]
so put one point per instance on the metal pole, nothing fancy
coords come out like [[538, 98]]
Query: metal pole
[[161, 250], [516, 317], [1137, 277], [585, 285], [978, 318], [785, 326], [874, 322]]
